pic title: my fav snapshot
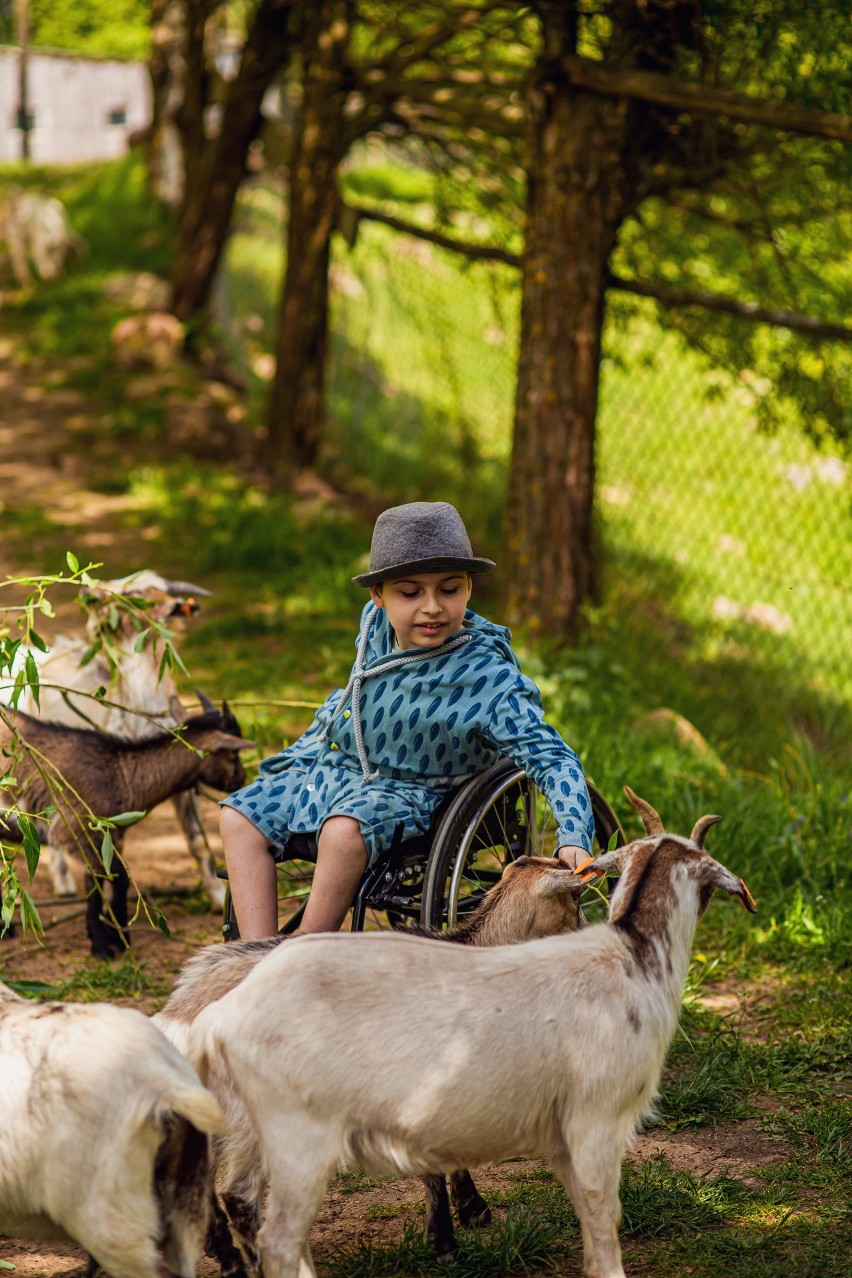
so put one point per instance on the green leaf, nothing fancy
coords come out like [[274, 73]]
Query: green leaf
[[141, 639], [7, 910], [32, 674], [4, 1264], [32, 989], [107, 851], [91, 651], [30, 917], [163, 925], [72, 561], [37, 641], [613, 841], [20, 684], [32, 846], [46, 607], [127, 818]]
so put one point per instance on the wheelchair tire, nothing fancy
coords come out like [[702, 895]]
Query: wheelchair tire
[[495, 818]]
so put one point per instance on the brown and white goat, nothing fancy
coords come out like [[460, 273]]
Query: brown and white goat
[[536, 896], [552, 1048], [86, 775], [138, 700], [105, 1137]]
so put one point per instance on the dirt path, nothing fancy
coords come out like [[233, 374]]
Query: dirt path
[[51, 454]]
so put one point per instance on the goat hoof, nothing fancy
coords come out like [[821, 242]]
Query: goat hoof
[[447, 1257], [477, 1215]]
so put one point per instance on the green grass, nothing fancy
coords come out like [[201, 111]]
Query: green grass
[[99, 982]]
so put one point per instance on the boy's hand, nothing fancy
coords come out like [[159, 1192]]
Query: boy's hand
[[572, 856]]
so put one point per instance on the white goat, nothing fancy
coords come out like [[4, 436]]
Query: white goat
[[552, 1048], [105, 1136], [536, 896], [137, 704]]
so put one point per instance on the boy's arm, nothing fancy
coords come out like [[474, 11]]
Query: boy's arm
[[517, 728]]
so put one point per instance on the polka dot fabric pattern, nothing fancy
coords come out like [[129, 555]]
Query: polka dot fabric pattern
[[427, 725]]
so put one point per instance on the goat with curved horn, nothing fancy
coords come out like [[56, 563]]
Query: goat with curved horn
[[650, 819], [699, 830]]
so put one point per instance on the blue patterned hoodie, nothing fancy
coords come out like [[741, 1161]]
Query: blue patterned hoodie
[[408, 727]]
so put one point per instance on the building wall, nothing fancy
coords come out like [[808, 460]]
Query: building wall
[[83, 109]]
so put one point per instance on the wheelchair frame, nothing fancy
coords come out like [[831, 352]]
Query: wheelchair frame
[[421, 878]]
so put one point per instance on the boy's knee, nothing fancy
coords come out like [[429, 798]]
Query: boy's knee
[[233, 824], [342, 833]]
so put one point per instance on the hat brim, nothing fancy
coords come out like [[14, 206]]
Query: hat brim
[[439, 563]]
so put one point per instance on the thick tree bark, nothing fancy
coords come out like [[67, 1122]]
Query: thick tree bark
[[167, 69], [575, 204], [217, 165], [294, 413], [588, 158]]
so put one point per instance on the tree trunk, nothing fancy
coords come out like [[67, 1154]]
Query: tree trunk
[[574, 209], [588, 159], [294, 412], [216, 166]]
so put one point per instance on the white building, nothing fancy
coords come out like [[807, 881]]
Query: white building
[[80, 109]]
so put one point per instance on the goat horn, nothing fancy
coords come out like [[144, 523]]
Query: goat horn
[[206, 703], [702, 825], [179, 588], [650, 819]]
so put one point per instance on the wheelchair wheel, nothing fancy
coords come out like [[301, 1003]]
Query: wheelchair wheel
[[497, 817]]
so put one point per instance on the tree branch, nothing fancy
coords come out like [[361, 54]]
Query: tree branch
[[807, 324], [649, 86]]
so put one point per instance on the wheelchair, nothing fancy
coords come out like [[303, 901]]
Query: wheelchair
[[438, 878]]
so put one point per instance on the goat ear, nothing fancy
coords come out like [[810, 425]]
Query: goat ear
[[225, 741], [715, 875], [179, 588], [176, 709], [595, 867], [557, 882]]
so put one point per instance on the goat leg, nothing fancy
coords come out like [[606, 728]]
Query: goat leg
[[439, 1222], [116, 927], [471, 1206], [232, 1236]]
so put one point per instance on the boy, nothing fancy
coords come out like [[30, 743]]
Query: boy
[[436, 695]]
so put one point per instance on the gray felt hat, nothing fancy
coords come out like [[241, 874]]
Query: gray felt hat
[[421, 536]]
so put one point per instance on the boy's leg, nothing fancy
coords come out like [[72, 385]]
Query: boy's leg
[[251, 875], [341, 860]]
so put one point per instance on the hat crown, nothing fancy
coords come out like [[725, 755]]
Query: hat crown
[[418, 530], [418, 537]]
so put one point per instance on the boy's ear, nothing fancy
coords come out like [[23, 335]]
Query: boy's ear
[[376, 595]]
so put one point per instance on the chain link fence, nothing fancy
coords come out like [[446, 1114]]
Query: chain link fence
[[738, 542]]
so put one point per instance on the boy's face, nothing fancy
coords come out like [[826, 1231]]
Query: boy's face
[[425, 609]]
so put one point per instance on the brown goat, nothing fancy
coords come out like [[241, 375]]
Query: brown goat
[[86, 775]]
